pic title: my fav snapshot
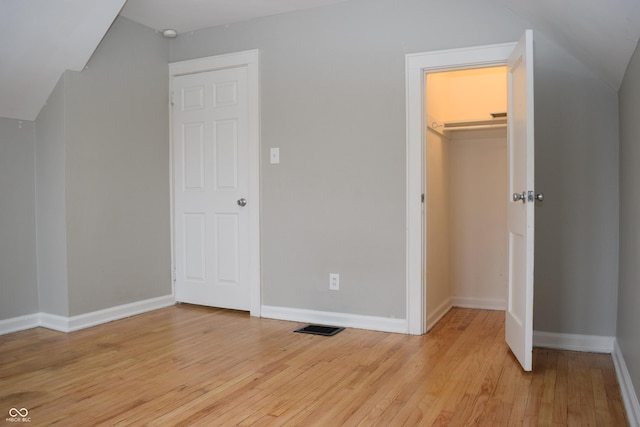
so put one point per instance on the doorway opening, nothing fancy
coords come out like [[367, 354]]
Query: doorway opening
[[518, 57], [417, 66], [215, 181], [466, 171]]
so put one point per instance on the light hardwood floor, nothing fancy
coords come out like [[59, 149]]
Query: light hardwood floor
[[188, 365]]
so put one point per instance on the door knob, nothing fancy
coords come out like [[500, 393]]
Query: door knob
[[242, 202], [539, 197], [520, 196]]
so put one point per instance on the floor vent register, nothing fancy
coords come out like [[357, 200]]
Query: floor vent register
[[326, 331]]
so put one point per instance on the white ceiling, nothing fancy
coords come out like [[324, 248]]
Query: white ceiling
[[602, 34], [189, 15], [40, 39]]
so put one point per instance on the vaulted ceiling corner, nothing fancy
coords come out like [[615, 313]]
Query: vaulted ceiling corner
[[601, 34], [40, 39]]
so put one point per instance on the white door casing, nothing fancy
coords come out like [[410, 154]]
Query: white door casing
[[416, 67], [215, 158], [521, 212]]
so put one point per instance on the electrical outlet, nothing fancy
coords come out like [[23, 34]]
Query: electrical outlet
[[334, 281]]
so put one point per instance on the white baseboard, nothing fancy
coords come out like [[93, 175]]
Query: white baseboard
[[573, 342], [94, 318], [438, 313], [479, 303], [55, 322], [629, 396], [19, 323], [82, 321], [335, 319]]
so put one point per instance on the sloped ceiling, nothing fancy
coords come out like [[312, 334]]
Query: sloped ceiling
[[40, 39], [602, 34], [190, 15]]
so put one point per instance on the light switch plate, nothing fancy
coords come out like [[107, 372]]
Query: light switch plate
[[275, 156], [334, 281]]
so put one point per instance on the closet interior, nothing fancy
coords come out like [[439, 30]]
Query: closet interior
[[466, 190]]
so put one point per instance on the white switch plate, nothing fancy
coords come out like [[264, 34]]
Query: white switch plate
[[334, 281], [275, 156]]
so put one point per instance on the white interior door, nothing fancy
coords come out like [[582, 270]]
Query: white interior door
[[519, 315], [211, 194]]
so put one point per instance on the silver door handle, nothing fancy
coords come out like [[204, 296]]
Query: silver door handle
[[242, 202], [520, 196], [539, 197]]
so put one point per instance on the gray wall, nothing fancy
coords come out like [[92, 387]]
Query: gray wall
[[18, 275], [51, 212], [117, 171], [333, 98], [576, 133], [629, 290], [92, 183], [102, 150]]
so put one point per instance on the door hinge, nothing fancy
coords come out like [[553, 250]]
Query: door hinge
[[171, 98], [422, 198]]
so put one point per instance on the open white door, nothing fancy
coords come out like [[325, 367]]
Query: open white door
[[519, 315]]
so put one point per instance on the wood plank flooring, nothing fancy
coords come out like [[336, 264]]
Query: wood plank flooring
[[196, 366]]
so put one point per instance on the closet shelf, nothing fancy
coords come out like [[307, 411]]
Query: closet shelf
[[475, 124]]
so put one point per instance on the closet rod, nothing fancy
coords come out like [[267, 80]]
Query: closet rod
[[474, 123]]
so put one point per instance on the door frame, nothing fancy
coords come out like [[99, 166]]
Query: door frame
[[417, 65], [249, 59]]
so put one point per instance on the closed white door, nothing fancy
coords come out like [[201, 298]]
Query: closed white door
[[519, 315], [211, 179]]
